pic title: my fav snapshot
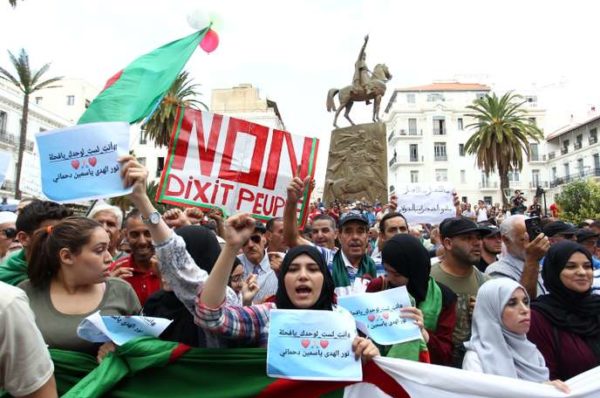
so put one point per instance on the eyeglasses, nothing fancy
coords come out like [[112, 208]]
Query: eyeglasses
[[254, 238], [10, 232]]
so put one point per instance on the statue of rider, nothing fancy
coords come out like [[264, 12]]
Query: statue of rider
[[361, 73]]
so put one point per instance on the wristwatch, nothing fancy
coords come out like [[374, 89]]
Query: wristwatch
[[153, 218]]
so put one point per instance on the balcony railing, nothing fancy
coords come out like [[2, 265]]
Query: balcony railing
[[577, 145], [592, 140], [551, 155], [488, 185], [441, 158], [535, 184], [564, 151], [439, 131], [594, 172], [11, 139]]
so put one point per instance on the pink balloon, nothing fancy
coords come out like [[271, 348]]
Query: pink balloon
[[210, 41]]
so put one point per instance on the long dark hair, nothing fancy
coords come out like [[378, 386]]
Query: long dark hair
[[43, 261], [325, 301]]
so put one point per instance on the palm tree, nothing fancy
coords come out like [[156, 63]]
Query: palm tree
[[28, 82], [181, 94], [502, 134]]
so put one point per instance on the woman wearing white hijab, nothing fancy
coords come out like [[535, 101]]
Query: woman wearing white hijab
[[499, 344]]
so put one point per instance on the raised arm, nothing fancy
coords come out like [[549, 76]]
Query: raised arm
[[290, 228], [362, 49], [238, 229]]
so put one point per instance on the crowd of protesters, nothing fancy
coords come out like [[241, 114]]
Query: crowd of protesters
[[486, 296]]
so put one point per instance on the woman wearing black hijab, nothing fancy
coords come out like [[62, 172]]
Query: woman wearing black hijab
[[565, 324], [407, 263], [304, 283]]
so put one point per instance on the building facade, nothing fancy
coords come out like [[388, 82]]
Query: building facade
[[573, 153], [39, 119], [427, 130]]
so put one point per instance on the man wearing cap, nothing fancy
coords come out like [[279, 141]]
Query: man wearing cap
[[557, 231], [491, 245], [256, 261], [461, 239], [348, 264], [8, 234], [521, 260], [589, 239]]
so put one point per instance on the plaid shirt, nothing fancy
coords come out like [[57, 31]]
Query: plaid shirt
[[249, 324]]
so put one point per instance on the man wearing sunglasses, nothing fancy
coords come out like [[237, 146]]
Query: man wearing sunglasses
[[8, 234], [256, 261]]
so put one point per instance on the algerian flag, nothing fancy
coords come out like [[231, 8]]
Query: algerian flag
[[150, 367], [134, 92]]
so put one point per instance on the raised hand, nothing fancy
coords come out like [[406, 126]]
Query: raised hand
[[238, 229], [249, 289], [176, 218]]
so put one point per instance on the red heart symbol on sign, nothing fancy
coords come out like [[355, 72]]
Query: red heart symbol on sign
[[92, 161], [324, 344], [371, 317], [305, 343], [386, 315], [75, 164]]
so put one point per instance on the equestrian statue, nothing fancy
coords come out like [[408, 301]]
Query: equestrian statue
[[366, 86]]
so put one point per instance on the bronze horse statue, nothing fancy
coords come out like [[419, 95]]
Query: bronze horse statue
[[348, 95]]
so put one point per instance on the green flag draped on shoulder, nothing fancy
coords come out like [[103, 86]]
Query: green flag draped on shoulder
[[134, 92]]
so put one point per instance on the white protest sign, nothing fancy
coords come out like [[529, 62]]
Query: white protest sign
[[5, 160], [379, 315], [425, 203], [120, 329], [312, 345], [31, 176]]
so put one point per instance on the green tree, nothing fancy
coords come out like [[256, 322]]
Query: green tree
[[28, 81], [579, 200], [502, 135], [181, 94]]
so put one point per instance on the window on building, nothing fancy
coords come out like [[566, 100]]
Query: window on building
[[553, 173], [143, 139], [464, 199], [433, 97], [579, 141], [461, 149], [3, 118], [485, 181], [593, 135], [414, 176], [580, 167], [463, 177], [535, 178], [439, 150], [531, 98], [513, 176], [533, 121], [441, 175], [414, 152], [439, 125], [410, 98], [160, 165], [70, 100], [534, 151], [480, 95], [412, 126], [487, 200], [142, 161], [566, 168], [565, 148], [38, 100], [596, 164], [460, 124]]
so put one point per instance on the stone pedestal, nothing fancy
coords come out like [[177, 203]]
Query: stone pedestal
[[357, 164]]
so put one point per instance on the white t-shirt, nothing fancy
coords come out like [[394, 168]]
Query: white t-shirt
[[25, 364], [482, 214]]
